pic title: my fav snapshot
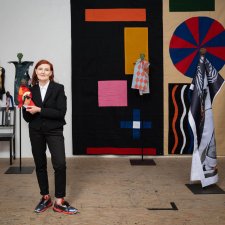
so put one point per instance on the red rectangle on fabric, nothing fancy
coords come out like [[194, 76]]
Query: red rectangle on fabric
[[110, 15], [120, 151]]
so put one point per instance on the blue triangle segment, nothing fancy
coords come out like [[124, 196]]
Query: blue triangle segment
[[178, 54], [184, 33]]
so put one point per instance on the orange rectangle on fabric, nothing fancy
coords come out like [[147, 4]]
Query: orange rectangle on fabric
[[110, 15], [135, 43]]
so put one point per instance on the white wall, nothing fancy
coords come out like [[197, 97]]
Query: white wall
[[40, 29]]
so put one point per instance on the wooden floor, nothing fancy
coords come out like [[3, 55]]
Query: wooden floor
[[109, 191]]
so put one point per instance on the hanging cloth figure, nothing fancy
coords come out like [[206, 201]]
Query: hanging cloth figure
[[2, 80], [140, 77], [22, 75]]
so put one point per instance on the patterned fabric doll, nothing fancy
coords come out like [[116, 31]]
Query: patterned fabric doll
[[140, 77]]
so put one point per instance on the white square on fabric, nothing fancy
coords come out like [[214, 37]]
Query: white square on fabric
[[137, 124]]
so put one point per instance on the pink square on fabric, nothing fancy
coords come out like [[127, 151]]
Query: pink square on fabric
[[112, 93]]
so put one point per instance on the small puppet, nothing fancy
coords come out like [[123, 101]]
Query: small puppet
[[25, 97], [140, 79]]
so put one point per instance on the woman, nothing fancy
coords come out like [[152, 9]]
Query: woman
[[46, 121]]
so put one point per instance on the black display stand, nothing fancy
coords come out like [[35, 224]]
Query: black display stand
[[173, 207], [20, 169], [198, 189], [142, 161]]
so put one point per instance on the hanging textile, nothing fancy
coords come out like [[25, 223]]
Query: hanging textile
[[205, 86], [140, 79]]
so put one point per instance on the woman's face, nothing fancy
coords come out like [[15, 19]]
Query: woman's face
[[43, 73]]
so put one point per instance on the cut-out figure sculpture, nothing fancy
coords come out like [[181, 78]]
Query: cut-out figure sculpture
[[22, 75]]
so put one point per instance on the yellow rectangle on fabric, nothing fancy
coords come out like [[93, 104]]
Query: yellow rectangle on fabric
[[135, 43]]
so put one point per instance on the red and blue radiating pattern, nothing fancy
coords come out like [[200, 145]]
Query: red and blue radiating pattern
[[190, 36]]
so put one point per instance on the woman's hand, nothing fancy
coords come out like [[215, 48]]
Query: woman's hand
[[33, 109]]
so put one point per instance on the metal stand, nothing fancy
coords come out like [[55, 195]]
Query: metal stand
[[198, 189], [20, 169], [173, 207], [142, 162]]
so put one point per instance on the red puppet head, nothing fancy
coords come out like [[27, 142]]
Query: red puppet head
[[25, 97]]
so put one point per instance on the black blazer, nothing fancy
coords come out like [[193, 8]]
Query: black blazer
[[53, 108]]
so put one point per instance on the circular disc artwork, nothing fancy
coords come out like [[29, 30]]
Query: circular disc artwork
[[190, 36]]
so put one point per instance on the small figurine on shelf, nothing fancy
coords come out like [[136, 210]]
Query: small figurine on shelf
[[140, 79], [9, 99]]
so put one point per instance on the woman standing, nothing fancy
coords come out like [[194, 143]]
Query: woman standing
[[46, 120]]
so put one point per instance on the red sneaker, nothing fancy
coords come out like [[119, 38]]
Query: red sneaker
[[44, 204], [64, 208]]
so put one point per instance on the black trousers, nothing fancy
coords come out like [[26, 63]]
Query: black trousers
[[54, 139]]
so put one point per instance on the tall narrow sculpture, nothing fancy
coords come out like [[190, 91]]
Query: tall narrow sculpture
[[2, 80], [22, 75]]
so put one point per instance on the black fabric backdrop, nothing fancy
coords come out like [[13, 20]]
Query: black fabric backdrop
[[98, 54]]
